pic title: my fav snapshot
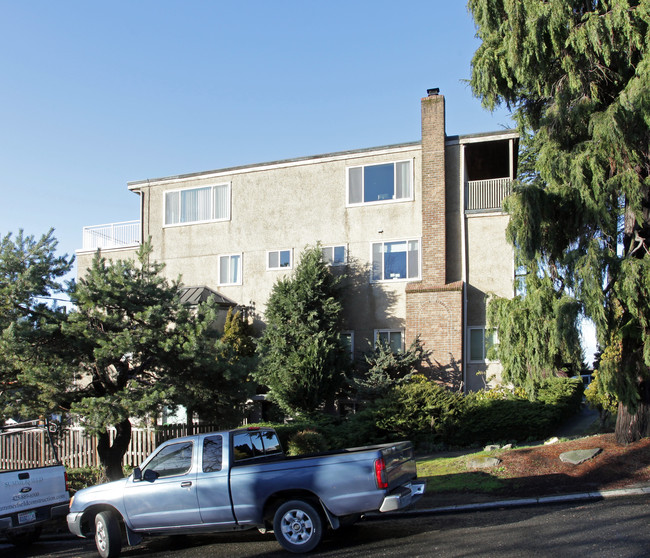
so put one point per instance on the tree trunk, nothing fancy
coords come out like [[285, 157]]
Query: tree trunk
[[110, 456], [632, 426]]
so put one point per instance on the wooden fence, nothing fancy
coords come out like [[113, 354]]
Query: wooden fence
[[77, 449]]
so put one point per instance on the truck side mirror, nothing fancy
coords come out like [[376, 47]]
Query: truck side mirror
[[137, 474], [150, 475]]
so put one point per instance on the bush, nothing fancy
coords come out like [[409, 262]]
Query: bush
[[486, 420], [83, 477], [305, 442], [419, 410], [499, 420]]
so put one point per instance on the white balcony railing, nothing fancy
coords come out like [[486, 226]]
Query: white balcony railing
[[113, 235], [487, 195]]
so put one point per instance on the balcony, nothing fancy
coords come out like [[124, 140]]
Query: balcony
[[111, 236], [487, 195]]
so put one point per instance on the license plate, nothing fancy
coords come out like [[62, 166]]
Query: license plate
[[26, 517]]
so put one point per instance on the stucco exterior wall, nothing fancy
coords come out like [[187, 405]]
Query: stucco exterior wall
[[291, 206], [490, 270]]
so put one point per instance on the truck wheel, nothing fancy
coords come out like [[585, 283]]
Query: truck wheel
[[297, 526], [108, 537], [25, 538]]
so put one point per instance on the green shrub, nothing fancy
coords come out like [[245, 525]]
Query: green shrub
[[305, 442], [605, 403], [82, 477], [564, 394], [419, 410], [499, 420], [486, 420]]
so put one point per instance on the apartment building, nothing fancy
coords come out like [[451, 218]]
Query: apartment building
[[417, 228]]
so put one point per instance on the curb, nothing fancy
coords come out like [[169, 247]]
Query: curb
[[596, 495]]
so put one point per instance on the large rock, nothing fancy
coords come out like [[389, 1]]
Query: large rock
[[576, 457], [483, 462]]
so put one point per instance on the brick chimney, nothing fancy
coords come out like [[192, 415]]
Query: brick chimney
[[434, 308], [433, 189]]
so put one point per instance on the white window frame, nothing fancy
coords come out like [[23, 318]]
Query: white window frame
[[212, 218], [280, 268], [389, 331], [394, 199], [397, 279], [495, 341], [333, 247], [241, 269]]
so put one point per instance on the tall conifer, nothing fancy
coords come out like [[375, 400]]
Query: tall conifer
[[576, 73]]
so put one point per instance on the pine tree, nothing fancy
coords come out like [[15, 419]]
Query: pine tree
[[30, 275], [576, 73], [303, 361]]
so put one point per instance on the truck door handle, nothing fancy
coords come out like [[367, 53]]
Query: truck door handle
[[186, 484]]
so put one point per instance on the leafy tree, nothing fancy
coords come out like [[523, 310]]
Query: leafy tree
[[30, 274], [575, 73], [303, 361]]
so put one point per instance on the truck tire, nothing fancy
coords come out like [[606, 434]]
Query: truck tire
[[108, 537], [298, 526], [25, 538]]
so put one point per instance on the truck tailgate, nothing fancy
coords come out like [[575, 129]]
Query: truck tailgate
[[399, 461]]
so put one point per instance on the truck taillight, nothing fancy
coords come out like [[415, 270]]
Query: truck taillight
[[380, 473], [67, 486]]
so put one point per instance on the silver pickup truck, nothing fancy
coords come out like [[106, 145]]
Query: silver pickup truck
[[241, 479]]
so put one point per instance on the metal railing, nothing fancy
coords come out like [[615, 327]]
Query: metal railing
[[487, 195], [112, 235]]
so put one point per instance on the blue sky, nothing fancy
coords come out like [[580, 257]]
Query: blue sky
[[96, 94]]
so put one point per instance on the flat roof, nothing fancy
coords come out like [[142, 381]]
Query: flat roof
[[449, 140]]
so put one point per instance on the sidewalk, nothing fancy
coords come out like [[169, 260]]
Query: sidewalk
[[473, 502]]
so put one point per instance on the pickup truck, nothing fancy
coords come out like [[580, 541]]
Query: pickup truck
[[29, 497], [241, 479]]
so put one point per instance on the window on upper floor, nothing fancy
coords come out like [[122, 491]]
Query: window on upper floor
[[392, 338], [230, 272], [381, 183], [278, 259], [480, 341], [335, 255], [197, 205], [396, 260]]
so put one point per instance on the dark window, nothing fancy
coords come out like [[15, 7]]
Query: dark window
[[174, 459], [212, 454]]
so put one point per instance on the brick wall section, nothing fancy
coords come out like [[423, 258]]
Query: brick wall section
[[434, 308], [433, 190]]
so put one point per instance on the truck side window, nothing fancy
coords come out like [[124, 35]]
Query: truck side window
[[212, 452], [271, 443], [243, 447], [174, 459]]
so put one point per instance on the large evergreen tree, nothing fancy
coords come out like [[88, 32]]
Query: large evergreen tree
[[135, 344], [303, 361], [30, 275], [576, 73]]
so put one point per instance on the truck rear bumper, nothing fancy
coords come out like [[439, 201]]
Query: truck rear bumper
[[403, 496]]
